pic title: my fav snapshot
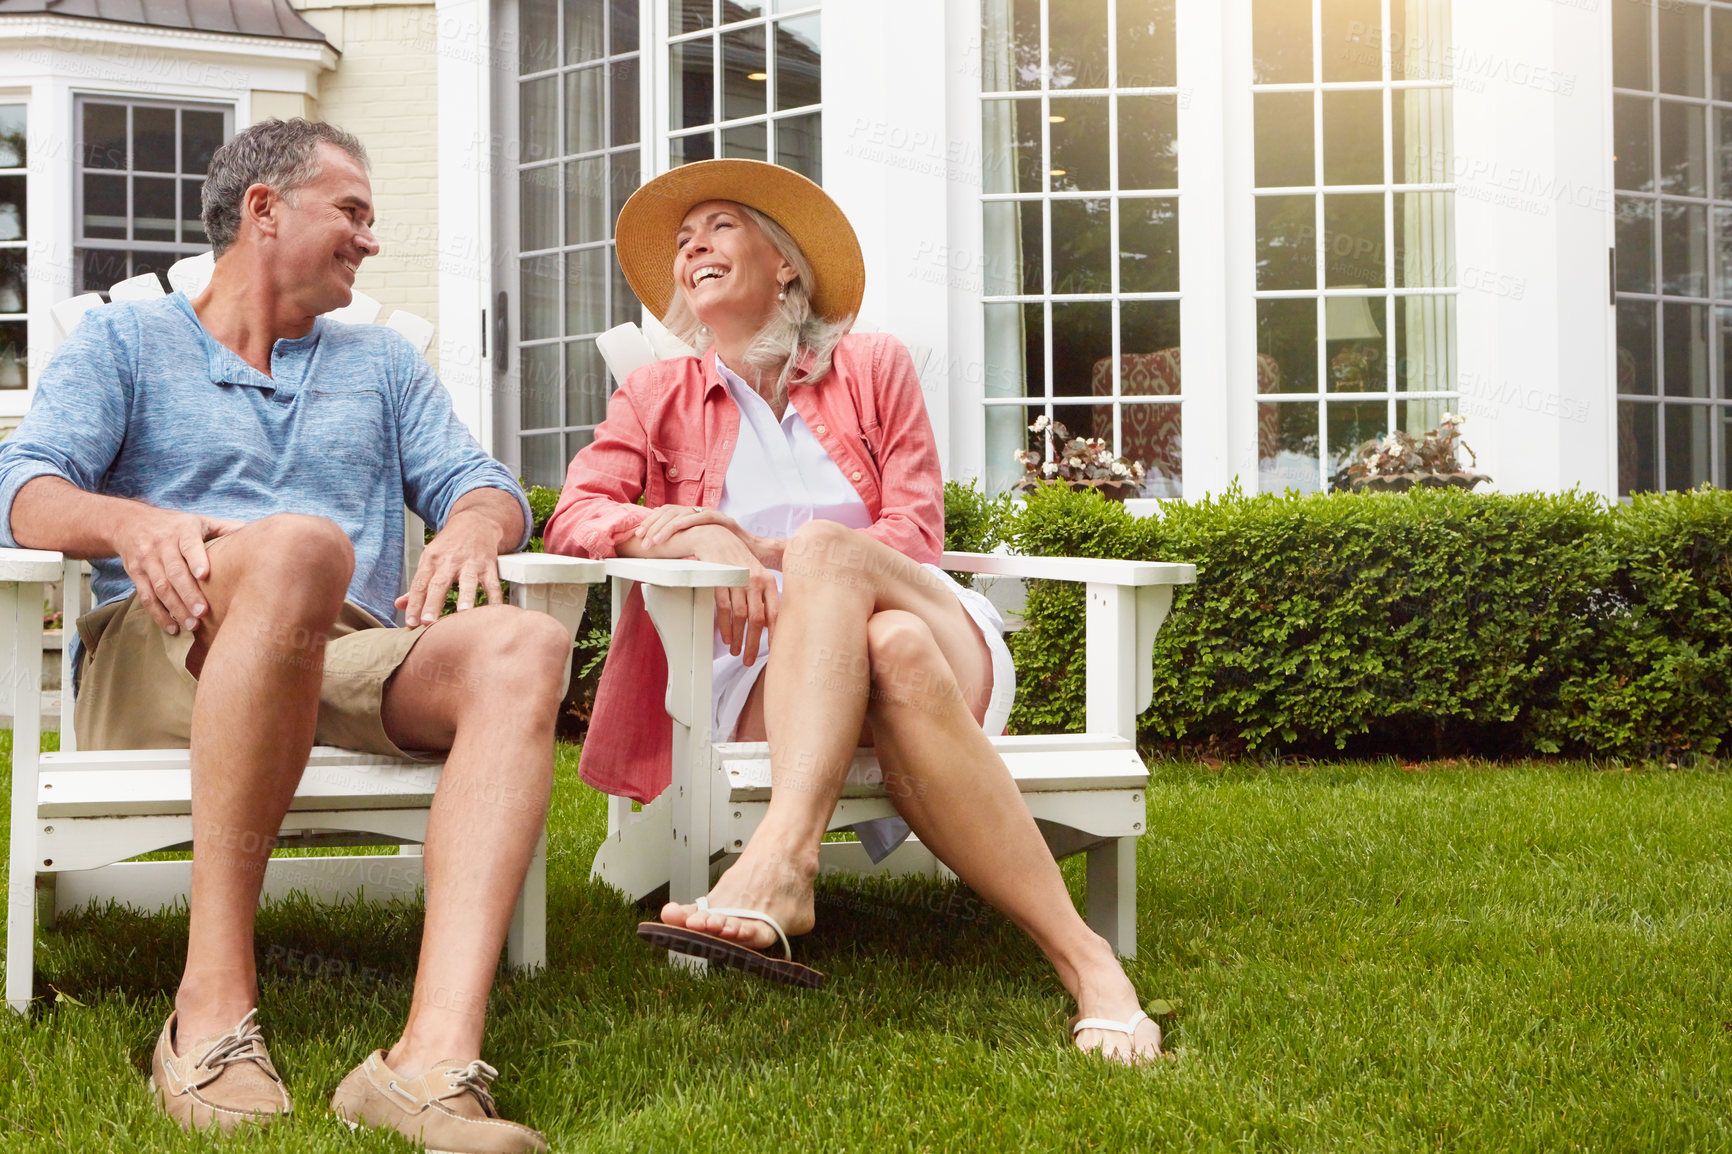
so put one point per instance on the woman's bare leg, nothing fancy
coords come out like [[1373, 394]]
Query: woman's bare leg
[[810, 705], [867, 633], [955, 793]]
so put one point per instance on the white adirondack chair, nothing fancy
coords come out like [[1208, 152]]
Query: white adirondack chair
[[78, 816], [1085, 790]]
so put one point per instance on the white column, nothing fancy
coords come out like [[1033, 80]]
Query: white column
[[888, 151], [1218, 376], [1534, 227], [468, 148]]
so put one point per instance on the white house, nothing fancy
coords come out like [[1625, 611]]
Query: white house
[[1349, 215]]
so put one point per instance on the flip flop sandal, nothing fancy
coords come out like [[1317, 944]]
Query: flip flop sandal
[[728, 953], [1128, 1029]]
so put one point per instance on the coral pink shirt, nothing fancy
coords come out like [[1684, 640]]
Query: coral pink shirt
[[668, 437]]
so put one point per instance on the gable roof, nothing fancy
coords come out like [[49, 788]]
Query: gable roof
[[274, 18]]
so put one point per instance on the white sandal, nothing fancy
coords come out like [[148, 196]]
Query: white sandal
[[1128, 1029], [731, 953]]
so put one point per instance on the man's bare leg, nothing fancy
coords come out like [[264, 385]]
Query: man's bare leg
[[486, 685], [275, 588]]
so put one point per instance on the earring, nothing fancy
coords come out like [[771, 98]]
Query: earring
[[781, 296]]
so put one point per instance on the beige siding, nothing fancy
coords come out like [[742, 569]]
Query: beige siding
[[384, 91], [282, 105]]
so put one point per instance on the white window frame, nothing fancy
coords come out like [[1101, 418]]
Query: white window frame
[[1218, 390], [174, 249], [499, 361], [32, 366], [664, 39]]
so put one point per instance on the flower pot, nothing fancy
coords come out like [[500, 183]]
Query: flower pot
[[1110, 489], [1402, 482]]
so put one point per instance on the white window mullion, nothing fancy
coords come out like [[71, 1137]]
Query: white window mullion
[[1218, 318], [1321, 310]]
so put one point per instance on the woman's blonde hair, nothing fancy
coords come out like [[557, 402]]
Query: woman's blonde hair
[[793, 331]]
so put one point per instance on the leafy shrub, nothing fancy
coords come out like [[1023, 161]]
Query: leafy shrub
[[973, 522], [1656, 678], [1430, 622], [1056, 521], [542, 502]]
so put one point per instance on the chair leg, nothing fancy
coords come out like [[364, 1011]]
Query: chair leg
[[47, 909], [20, 936], [1112, 894], [526, 942]]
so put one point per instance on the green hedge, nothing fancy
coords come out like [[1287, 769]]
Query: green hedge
[[1435, 622], [1429, 623]]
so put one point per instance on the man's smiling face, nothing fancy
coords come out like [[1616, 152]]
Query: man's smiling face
[[324, 232]]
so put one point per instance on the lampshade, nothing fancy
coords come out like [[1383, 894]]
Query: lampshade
[[1350, 319]]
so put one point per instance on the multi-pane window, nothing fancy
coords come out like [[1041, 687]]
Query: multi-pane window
[[579, 158], [141, 168], [1355, 231], [1672, 122], [743, 81], [14, 272], [1080, 229]]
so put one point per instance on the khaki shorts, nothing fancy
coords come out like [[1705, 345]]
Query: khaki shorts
[[134, 691]]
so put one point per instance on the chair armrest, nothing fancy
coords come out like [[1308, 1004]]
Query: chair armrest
[[671, 573], [31, 565], [549, 569], [1135, 574]]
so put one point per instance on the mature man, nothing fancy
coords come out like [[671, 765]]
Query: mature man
[[237, 468]]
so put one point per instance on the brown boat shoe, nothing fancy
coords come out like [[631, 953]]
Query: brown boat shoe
[[225, 1080], [448, 1109]]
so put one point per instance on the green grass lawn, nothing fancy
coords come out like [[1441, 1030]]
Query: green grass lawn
[[1471, 958]]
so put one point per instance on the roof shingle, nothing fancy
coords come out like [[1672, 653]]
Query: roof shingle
[[273, 18]]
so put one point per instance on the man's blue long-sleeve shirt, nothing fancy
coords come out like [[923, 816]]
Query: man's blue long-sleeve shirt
[[352, 424]]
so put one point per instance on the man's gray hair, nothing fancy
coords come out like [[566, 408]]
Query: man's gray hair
[[281, 154]]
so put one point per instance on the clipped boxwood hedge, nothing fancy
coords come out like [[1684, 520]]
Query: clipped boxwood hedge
[[1433, 622], [1427, 623]]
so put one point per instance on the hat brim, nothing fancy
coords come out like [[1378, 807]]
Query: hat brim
[[644, 236]]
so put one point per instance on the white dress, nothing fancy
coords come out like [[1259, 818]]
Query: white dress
[[779, 478]]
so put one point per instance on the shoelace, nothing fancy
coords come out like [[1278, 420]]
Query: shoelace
[[473, 1079], [245, 1043]]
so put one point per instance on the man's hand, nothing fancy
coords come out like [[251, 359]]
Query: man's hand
[[164, 554], [464, 553]]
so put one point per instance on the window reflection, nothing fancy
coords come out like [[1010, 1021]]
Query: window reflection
[[1375, 262], [1083, 223], [14, 252], [580, 127], [138, 185], [1673, 289]]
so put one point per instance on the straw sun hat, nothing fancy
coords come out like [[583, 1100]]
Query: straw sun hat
[[644, 235]]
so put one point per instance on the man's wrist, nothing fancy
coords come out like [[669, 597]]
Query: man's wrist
[[478, 520]]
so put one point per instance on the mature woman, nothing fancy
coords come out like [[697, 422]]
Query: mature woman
[[804, 454]]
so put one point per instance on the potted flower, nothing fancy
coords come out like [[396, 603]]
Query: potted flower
[[1080, 462], [1400, 461]]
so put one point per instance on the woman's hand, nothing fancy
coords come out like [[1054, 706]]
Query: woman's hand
[[662, 523], [743, 614]]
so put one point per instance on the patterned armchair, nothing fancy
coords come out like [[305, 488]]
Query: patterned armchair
[[1151, 432]]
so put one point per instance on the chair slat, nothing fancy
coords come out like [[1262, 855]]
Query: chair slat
[[1038, 764], [95, 784]]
